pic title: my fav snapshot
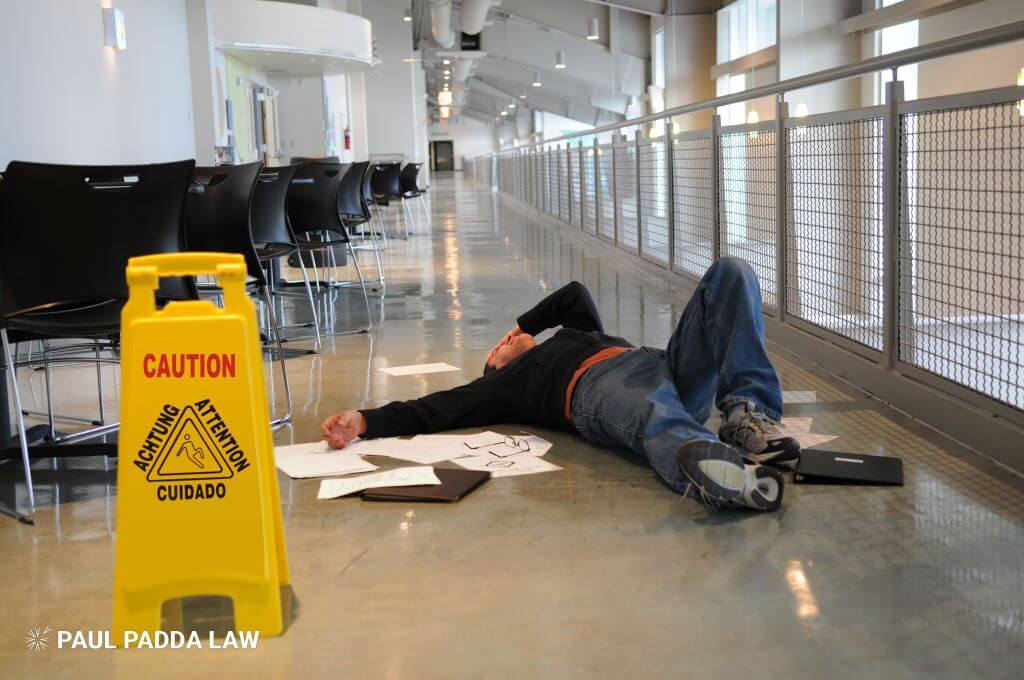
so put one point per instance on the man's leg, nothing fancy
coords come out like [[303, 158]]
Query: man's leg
[[717, 352]]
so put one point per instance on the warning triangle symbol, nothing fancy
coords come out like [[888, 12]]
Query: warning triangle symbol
[[189, 453]]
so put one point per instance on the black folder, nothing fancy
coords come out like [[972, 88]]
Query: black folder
[[833, 467], [455, 484]]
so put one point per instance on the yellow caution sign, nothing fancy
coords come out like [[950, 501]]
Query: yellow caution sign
[[198, 507]]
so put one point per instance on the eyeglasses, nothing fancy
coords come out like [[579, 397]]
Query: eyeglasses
[[508, 446]]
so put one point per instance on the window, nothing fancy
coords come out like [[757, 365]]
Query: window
[[744, 27], [894, 39], [658, 60]]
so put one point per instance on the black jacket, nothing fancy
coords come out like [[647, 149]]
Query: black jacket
[[530, 389]]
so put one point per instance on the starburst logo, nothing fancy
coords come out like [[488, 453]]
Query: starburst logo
[[38, 638]]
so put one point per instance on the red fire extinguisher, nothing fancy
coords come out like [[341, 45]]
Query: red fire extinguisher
[[348, 139]]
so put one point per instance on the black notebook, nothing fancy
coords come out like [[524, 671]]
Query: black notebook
[[832, 467], [455, 484]]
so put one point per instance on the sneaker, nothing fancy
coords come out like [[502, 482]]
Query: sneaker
[[759, 437], [719, 476]]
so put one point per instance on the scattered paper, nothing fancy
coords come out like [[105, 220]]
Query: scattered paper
[[506, 466], [318, 459], [422, 449], [408, 476], [418, 369], [800, 429], [799, 396]]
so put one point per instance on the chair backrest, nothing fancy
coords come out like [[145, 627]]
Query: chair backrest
[[350, 197], [368, 184], [313, 198], [407, 178], [385, 181], [269, 213], [315, 159], [68, 231], [218, 209]]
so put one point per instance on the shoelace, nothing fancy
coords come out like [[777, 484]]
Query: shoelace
[[763, 425], [705, 498]]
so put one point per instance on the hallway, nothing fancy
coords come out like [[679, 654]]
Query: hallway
[[597, 569]]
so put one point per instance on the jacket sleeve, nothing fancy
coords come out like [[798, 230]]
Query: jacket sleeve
[[468, 405], [570, 306]]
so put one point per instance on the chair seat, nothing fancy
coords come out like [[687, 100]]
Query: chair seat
[[270, 251], [304, 242], [410, 194], [97, 320]]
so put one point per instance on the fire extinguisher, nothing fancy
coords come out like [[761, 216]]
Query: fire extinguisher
[[348, 139]]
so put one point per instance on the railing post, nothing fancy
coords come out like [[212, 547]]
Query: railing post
[[597, 188], [582, 181], [716, 198], [890, 219], [639, 216], [670, 195], [781, 193], [614, 182]]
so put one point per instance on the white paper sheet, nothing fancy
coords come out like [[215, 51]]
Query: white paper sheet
[[799, 396], [407, 476], [507, 466], [505, 445], [418, 369], [317, 459], [800, 428]]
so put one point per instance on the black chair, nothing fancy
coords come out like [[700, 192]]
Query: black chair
[[295, 160], [355, 213], [272, 234], [410, 189], [218, 211], [313, 211], [387, 187], [99, 217], [371, 203]]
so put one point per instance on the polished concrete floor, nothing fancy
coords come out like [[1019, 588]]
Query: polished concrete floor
[[594, 571]]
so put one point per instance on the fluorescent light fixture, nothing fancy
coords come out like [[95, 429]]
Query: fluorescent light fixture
[[114, 33], [446, 61], [503, 113], [444, 111], [512, 105], [559, 59], [593, 30], [407, 16], [447, 72], [444, 98], [536, 79]]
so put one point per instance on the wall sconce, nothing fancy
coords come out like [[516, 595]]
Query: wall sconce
[[114, 34], [593, 30]]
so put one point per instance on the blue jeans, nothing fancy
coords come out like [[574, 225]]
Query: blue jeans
[[652, 401]]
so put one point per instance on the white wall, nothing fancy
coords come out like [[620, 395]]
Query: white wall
[[470, 138], [391, 111], [69, 99], [300, 108]]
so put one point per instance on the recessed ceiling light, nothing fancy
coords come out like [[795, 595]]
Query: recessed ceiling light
[[593, 31]]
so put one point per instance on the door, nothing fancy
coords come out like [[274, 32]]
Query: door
[[443, 156]]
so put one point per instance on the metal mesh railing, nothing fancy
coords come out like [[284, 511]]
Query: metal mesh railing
[[961, 247], [589, 192], [747, 192], [694, 198], [606, 225], [834, 227], [552, 196], [654, 241], [626, 194], [545, 181], [576, 210]]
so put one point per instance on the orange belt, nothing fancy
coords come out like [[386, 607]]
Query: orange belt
[[594, 359]]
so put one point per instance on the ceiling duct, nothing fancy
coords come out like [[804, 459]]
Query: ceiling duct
[[441, 23], [474, 15]]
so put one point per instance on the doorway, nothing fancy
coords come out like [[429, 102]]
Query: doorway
[[442, 156]]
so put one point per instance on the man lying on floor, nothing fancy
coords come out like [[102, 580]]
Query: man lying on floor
[[651, 401]]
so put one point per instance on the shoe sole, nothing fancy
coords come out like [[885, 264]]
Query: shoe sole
[[720, 470]]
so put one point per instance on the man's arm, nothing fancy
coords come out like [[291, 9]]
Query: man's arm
[[570, 306], [468, 405]]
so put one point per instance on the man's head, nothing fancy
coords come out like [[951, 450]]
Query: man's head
[[508, 350]]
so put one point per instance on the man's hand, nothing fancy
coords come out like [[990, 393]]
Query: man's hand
[[342, 428], [505, 340]]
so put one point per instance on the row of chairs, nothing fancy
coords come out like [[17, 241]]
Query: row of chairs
[[70, 230]]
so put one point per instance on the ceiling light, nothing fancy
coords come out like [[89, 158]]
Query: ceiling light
[[512, 105], [446, 61], [114, 32], [522, 96], [536, 79], [504, 113], [447, 72], [593, 30], [411, 60], [444, 111], [407, 16], [559, 59], [444, 98]]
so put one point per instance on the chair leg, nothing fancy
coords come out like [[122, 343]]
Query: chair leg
[[407, 217], [99, 383], [426, 213], [312, 304], [362, 283], [280, 356], [48, 372], [22, 439]]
